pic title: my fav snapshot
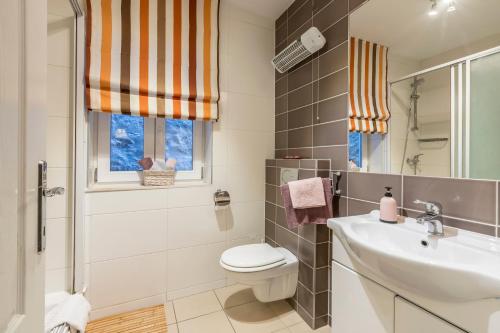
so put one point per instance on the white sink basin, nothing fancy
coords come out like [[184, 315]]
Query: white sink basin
[[460, 267]]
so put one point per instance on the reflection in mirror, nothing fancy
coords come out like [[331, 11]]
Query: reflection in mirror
[[442, 70]]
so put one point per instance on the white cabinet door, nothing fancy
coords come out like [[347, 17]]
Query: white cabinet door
[[413, 319], [360, 305]]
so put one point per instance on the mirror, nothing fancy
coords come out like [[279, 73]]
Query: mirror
[[443, 82]]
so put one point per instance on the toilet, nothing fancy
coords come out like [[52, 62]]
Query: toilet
[[271, 272]]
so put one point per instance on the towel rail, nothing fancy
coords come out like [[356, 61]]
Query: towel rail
[[63, 328]]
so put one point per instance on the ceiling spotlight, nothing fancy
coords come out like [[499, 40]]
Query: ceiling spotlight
[[451, 6], [433, 11]]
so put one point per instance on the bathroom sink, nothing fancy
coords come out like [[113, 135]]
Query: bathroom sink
[[460, 267]]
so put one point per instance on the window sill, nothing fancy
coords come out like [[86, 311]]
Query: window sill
[[113, 187]]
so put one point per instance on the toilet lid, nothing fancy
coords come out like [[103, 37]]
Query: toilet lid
[[252, 255]]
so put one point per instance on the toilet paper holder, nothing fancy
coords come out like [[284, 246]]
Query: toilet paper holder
[[222, 198]]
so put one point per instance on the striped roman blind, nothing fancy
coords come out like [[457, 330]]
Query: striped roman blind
[[368, 111], [153, 58]]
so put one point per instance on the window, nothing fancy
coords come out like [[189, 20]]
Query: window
[[124, 140], [355, 148]]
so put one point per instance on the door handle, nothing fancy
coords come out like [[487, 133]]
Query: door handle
[[50, 192], [43, 194]]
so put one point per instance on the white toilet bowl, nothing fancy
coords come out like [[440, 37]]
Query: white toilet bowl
[[271, 272]]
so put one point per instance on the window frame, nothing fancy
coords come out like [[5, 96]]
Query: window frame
[[154, 146]]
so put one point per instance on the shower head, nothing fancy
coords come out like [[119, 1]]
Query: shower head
[[417, 82]]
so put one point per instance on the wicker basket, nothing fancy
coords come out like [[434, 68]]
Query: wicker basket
[[159, 177]]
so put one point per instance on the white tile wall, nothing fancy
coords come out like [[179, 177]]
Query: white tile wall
[[192, 226], [146, 243], [193, 266], [127, 279], [58, 243], [59, 143], [120, 235]]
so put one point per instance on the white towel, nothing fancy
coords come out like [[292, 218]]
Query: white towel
[[54, 299], [73, 310]]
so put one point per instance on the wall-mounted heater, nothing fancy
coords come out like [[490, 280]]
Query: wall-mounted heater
[[311, 41]]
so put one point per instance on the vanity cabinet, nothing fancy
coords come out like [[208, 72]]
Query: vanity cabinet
[[359, 304], [410, 318]]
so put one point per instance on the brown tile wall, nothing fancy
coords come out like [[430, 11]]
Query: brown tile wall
[[311, 111], [310, 243], [311, 101], [467, 204]]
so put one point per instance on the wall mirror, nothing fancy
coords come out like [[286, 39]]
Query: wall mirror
[[442, 70]]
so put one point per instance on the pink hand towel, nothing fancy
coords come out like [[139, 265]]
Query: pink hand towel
[[307, 193], [317, 215]]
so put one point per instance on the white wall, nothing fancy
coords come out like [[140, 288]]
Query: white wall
[[59, 143], [144, 244]]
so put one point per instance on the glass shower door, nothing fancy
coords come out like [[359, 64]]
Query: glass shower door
[[484, 118]]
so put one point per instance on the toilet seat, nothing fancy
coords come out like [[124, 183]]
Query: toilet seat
[[252, 258]]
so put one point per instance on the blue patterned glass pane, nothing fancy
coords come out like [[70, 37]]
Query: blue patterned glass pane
[[355, 149], [179, 143], [127, 142]]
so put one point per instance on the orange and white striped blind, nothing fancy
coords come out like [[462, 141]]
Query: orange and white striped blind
[[368, 110], [153, 58]]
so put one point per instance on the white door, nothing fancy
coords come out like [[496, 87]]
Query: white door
[[22, 145]]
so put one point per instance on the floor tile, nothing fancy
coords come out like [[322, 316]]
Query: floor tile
[[286, 313], [235, 295], [216, 322], [170, 313], [172, 328], [196, 305], [254, 317], [304, 328], [285, 330]]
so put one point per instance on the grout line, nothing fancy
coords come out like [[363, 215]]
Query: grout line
[[318, 57], [317, 102], [322, 8], [313, 81], [419, 211], [312, 125], [296, 10], [224, 311], [300, 27], [331, 25]]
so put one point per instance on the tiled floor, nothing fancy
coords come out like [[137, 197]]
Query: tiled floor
[[233, 309]]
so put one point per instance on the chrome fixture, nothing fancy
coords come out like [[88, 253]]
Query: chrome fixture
[[412, 111], [43, 193], [221, 198], [414, 98], [451, 6], [432, 217], [50, 192], [414, 162], [434, 7], [433, 11]]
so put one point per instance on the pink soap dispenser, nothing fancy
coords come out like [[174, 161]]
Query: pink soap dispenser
[[388, 207]]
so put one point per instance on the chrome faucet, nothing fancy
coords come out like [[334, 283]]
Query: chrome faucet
[[432, 217]]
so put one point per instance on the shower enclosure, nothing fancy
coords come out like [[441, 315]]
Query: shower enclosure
[[445, 119]]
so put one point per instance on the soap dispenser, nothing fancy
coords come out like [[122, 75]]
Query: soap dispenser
[[388, 207]]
